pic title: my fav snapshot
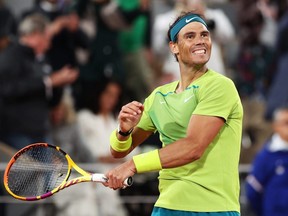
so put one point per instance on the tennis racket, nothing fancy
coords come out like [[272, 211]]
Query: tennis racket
[[40, 170]]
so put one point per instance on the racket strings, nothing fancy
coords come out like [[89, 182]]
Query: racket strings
[[37, 171]]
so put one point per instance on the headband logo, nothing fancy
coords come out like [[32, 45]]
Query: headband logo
[[189, 20], [184, 21]]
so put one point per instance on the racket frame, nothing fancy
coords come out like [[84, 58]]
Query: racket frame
[[86, 176]]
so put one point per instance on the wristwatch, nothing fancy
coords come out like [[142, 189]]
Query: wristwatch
[[124, 133]]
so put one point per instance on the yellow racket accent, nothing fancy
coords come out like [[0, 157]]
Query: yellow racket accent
[[40, 170]]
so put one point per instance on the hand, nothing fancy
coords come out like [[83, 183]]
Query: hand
[[130, 115], [57, 25], [64, 76], [117, 176]]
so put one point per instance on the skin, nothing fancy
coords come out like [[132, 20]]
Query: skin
[[40, 42], [280, 124], [193, 51]]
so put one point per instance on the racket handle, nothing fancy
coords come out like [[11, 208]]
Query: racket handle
[[98, 177], [128, 181]]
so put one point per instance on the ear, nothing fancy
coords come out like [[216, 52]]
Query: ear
[[173, 48]]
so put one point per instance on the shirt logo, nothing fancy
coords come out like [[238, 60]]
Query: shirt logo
[[162, 102], [189, 20], [187, 99]]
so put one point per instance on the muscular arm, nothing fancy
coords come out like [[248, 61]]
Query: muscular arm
[[200, 133]]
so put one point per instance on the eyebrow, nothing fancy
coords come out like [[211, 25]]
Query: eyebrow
[[193, 32]]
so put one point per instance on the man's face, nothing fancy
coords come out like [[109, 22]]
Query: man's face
[[194, 44], [42, 42]]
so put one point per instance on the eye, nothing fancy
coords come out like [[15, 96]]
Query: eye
[[189, 36], [205, 34]]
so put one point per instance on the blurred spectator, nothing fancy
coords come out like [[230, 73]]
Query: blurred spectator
[[267, 184], [268, 9], [8, 26], [253, 65], [95, 125], [69, 36], [136, 48], [64, 129], [27, 82], [222, 32], [278, 94], [105, 59], [65, 134]]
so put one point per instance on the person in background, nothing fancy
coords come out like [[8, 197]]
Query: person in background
[[27, 82], [199, 119], [8, 26], [267, 183], [7, 31], [67, 38], [105, 58], [95, 125], [253, 65], [136, 48], [64, 129], [65, 134], [278, 92]]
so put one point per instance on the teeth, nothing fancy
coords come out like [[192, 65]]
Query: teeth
[[199, 52]]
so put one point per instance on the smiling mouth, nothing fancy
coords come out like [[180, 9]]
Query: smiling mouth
[[199, 52]]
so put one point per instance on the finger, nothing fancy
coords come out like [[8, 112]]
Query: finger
[[131, 109], [114, 183], [128, 116], [138, 105]]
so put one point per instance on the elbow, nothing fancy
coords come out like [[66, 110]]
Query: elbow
[[194, 155]]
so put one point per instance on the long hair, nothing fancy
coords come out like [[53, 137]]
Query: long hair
[[100, 87]]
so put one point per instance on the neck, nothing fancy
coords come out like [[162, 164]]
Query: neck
[[189, 75]]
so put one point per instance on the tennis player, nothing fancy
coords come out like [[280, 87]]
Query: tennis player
[[199, 119]]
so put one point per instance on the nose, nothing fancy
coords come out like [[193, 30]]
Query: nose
[[200, 40]]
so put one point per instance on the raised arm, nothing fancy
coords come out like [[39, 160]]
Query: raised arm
[[200, 133]]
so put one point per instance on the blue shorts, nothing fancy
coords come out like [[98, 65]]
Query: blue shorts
[[167, 212]]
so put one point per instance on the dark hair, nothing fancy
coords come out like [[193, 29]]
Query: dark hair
[[182, 14], [100, 87]]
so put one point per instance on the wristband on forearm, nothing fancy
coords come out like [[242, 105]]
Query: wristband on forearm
[[117, 145], [147, 162]]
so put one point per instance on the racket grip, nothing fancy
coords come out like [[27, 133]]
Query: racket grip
[[97, 177]]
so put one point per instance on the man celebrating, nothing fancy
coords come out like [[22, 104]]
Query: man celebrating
[[199, 119]]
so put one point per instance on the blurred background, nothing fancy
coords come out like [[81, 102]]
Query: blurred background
[[67, 67]]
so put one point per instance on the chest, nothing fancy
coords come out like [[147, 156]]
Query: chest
[[171, 112]]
